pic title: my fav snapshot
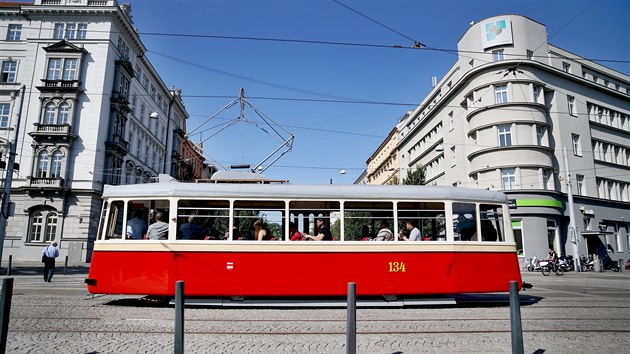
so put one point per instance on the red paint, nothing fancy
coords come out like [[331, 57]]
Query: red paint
[[300, 274]]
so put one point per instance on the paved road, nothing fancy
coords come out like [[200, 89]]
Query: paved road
[[573, 313]]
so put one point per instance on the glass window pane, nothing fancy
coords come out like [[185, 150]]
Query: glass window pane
[[203, 219], [363, 220], [305, 213], [465, 222], [491, 222], [429, 217], [115, 220]]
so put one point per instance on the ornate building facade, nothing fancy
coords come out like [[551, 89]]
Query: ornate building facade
[[95, 111]]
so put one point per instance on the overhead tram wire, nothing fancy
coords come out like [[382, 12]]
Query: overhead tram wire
[[250, 79], [348, 44]]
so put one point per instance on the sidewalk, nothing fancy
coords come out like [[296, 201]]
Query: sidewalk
[[36, 268]]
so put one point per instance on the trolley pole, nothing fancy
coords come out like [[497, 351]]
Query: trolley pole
[[8, 180], [574, 232]]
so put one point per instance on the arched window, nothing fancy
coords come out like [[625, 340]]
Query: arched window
[[57, 159], [37, 222], [51, 226], [42, 165], [49, 114], [64, 113]]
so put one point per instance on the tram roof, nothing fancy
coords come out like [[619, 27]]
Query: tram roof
[[174, 188]]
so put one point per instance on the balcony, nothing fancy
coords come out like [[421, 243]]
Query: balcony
[[117, 144], [60, 133], [45, 182], [45, 186], [62, 86]]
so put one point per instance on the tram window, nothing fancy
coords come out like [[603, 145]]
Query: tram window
[[270, 212], [464, 222], [362, 220], [115, 220], [491, 220], [305, 213], [101, 227], [202, 219], [429, 216], [141, 214]]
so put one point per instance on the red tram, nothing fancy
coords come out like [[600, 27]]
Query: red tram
[[466, 246]]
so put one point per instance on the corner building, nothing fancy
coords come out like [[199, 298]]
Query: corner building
[[500, 119], [95, 112]]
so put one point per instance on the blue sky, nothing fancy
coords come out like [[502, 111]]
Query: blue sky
[[332, 136]]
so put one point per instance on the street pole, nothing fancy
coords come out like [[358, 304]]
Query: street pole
[[8, 180], [574, 232]]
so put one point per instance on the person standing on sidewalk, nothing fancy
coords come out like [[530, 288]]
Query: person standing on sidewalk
[[48, 257]]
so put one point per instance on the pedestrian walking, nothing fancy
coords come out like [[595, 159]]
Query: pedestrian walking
[[48, 258]]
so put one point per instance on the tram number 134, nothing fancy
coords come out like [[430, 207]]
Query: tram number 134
[[397, 267]]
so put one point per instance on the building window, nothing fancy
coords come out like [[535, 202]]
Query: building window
[[545, 177], [580, 184], [37, 222], [70, 31], [566, 67], [530, 55], [451, 121], [49, 114], [497, 55], [571, 103], [505, 134], [508, 178], [14, 33], [540, 134], [42, 165], [62, 69], [43, 225], [9, 71], [4, 115], [500, 92], [577, 149], [64, 113], [57, 160], [70, 69]]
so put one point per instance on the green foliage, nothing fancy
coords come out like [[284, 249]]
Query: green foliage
[[415, 177]]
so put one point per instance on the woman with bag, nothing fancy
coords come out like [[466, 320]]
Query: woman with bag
[[48, 258]]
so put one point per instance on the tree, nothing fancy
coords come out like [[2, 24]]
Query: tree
[[416, 177]]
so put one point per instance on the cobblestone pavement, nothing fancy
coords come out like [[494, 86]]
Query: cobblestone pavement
[[574, 313]]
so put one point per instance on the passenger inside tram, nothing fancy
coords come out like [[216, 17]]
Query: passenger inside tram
[[322, 232], [414, 232], [384, 234], [159, 229], [294, 233], [192, 230]]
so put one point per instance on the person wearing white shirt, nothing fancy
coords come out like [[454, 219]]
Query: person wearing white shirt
[[414, 232], [48, 257]]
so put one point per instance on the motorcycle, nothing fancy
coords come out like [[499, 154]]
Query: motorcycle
[[587, 264], [566, 263], [533, 264], [609, 264]]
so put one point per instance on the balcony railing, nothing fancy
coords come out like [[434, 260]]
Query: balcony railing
[[54, 128], [48, 182]]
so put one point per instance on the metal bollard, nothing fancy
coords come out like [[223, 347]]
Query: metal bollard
[[10, 264], [5, 302], [515, 319], [179, 317], [351, 335], [65, 266]]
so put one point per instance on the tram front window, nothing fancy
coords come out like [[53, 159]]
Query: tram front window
[[115, 220]]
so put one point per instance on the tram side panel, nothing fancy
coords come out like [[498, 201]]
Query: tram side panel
[[302, 273]]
